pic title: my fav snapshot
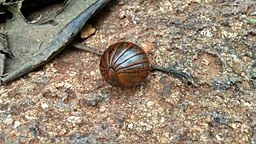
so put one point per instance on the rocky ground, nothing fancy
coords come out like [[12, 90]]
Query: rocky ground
[[67, 101]]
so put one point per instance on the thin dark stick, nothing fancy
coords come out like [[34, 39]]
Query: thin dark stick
[[177, 73], [87, 48]]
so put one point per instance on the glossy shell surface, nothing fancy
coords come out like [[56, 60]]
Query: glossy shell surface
[[124, 64]]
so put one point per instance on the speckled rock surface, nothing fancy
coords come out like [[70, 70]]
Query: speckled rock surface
[[67, 101]]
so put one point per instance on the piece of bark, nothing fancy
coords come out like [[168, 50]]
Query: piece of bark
[[56, 45], [3, 51], [26, 39], [2, 63]]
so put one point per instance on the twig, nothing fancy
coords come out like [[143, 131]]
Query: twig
[[176, 73], [87, 48]]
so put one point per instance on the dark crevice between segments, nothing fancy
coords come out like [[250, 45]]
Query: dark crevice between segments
[[139, 53], [132, 65], [120, 55], [114, 53]]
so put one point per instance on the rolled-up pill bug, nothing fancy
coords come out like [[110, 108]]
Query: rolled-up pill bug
[[124, 64]]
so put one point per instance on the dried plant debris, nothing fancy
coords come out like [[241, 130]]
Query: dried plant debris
[[46, 11], [4, 51], [46, 15], [3, 46], [29, 43]]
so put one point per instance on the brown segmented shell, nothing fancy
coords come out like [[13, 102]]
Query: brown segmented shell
[[124, 64]]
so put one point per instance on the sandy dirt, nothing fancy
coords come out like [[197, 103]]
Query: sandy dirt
[[67, 101]]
